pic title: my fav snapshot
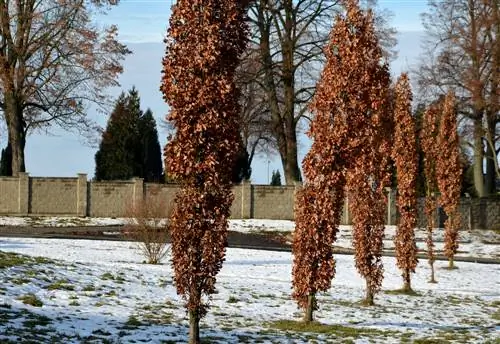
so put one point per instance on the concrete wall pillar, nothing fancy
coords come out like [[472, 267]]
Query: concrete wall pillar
[[138, 191], [81, 195], [24, 193], [246, 200]]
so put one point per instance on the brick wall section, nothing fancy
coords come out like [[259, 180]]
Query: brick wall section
[[273, 202], [78, 197], [9, 199], [162, 193], [110, 198], [53, 196]]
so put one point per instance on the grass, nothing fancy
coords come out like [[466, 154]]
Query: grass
[[8, 260], [31, 299], [232, 299], [318, 328], [410, 292], [89, 287], [61, 285]]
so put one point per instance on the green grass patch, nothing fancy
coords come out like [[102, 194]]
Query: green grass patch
[[8, 259], [107, 276], [232, 299], [89, 287], [337, 330], [132, 322], [31, 299], [410, 292], [496, 316], [61, 285], [20, 280]]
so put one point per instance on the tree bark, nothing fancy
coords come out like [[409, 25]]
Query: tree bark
[[291, 165], [369, 294], [433, 279], [478, 159], [407, 280], [194, 327], [311, 301], [491, 156], [16, 130]]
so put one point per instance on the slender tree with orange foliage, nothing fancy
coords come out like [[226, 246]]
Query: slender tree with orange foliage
[[370, 123], [405, 155], [349, 135], [428, 140], [205, 40], [449, 175]]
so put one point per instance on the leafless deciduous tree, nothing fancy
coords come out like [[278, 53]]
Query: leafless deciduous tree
[[205, 40], [463, 54], [405, 155], [53, 60], [287, 50]]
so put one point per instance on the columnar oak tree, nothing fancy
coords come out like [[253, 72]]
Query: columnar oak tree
[[428, 140], [449, 174], [405, 155], [205, 39]]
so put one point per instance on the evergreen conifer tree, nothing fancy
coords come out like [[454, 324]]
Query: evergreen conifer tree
[[129, 146], [6, 161], [276, 178], [151, 150]]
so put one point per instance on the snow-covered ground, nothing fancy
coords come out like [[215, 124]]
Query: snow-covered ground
[[100, 292], [476, 243]]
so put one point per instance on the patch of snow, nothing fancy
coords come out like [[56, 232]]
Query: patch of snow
[[111, 286]]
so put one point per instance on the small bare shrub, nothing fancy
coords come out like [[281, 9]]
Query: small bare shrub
[[148, 227]]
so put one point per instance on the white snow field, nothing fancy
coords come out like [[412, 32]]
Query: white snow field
[[101, 292]]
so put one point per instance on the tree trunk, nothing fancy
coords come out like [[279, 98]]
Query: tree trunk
[[407, 280], [478, 159], [290, 163], [451, 263], [17, 139], [491, 156], [194, 327], [311, 302], [369, 294], [433, 279]]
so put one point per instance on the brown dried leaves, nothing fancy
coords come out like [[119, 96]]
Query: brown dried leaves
[[205, 40], [405, 156], [351, 134], [449, 173]]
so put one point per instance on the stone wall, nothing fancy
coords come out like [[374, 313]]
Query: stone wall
[[9, 195], [79, 197]]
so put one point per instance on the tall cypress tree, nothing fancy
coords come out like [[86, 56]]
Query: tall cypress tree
[[6, 161]]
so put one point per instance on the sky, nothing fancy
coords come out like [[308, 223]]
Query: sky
[[142, 25]]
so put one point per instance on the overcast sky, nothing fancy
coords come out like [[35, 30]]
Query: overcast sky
[[142, 24]]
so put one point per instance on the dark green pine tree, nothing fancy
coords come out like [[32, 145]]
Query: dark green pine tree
[[151, 163], [129, 146], [6, 162], [115, 157], [276, 178], [241, 169]]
